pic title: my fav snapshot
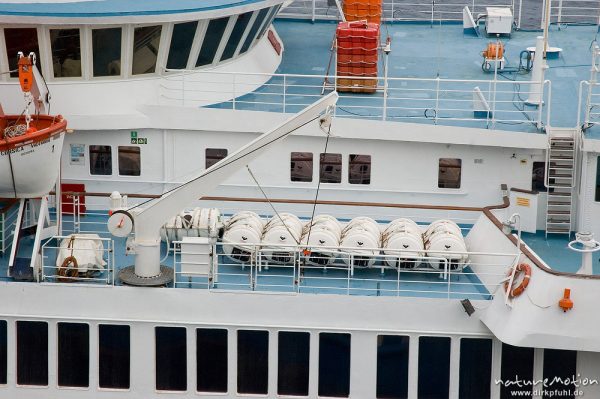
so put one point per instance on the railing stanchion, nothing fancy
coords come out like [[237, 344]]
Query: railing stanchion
[[284, 92]]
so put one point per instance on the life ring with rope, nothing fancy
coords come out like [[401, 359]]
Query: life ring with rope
[[69, 267], [517, 289]]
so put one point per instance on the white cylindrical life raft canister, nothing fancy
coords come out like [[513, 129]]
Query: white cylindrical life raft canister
[[444, 239], [322, 237], [360, 240], [242, 237], [402, 241], [281, 237]]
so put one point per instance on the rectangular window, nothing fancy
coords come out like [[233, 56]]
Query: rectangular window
[[560, 366], [475, 372], [146, 41], [130, 162], [301, 166], [211, 360], [66, 52], [171, 358], [517, 363], [113, 356], [334, 365], [73, 355], [236, 35], [100, 160], [106, 48], [392, 366], [359, 169], [3, 352], [258, 21], [214, 155], [32, 353], [293, 363], [181, 44], [253, 362], [538, 177], [434, 365], [597, 197], [212, 39], [330, 168], [267, 24], [21, 39], [449, 173]]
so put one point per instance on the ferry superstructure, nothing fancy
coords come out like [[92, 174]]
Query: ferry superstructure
[[157, 92]]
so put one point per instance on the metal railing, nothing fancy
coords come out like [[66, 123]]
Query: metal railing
[[574, 11], [8, 221]]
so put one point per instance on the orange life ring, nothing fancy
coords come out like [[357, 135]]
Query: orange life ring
[[519, 289]]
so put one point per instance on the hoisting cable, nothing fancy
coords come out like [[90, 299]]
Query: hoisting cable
[[7, 72]]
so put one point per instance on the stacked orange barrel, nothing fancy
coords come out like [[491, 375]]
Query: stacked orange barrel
[[360, 10], [357, 52]]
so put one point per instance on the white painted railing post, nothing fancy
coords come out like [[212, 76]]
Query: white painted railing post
[[313, 10], [284, 92], [183, 89], [559, 17], [520, 13], [233, 90], [437, 99]]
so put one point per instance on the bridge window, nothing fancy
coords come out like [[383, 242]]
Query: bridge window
[[100, 160], [66, 52], [73, 355], [24, 40], [270, 18], [330, 168], [130, 163], [214, 155], [146, 40], [301, 166], [293, 363], [3, 352], [434, 365], [113, 356], [392, 366], [181, 44], [560, 366], [260, 18], [475, 370], [106, 47], [517, 364], [538, 176], [253, 362], [211, 359], [236, 35], [359, 169], [171, 358], [449, 172], [32, 353], [212, 39], [334, 365]]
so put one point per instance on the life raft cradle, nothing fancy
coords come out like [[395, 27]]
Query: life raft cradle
[[514, 289]]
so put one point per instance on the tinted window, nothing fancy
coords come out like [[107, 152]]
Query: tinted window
[[106, 46], [359, 169], [538, 176], [270, 18], [66, 52], [559, 366], [129, 161], [449, 173], [293, 363], [24, 40], [301, 166], [212, 38], [171, 362], [73, 354], [214, 155], [236, 35], [330, 168], [475, 368], [32, 353], [181, 44], [3, 352], [392, 366], [517, 363], [334, 365], [434, 365], [113, 356], [100, 160], [253, 361], [145, 49], [211, 360], [260, 18]]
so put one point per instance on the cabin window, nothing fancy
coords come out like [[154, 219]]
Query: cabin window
[[24, 40], [113, 356], [301, 166], [236, 35], [146, 40], [434, 365], [517, 363], [560, 366], [270, 18], [258, 21], [475, 372], [212, 38], [130, 163], [359, 169], [3, 352], [73, 355], [106, 48], [214, 155], [392, 366], [181, 44], [597, 196], [449, 173], [293, 363], [334, 365], [538, 177], [100, 160], [330, 168], [66, 52], [32, 353], [253, 362], [211, 360], [171, 358]]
